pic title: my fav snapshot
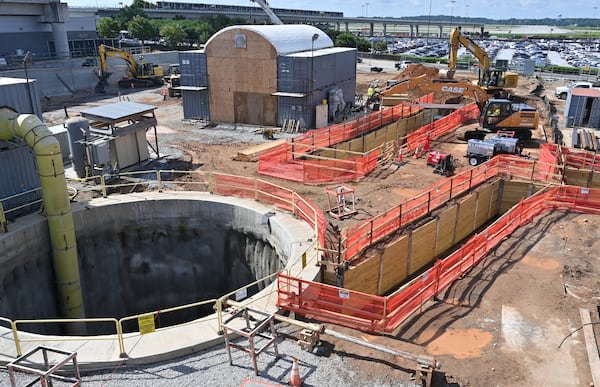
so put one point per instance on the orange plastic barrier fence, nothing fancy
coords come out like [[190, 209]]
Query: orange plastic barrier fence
[[382, 225], [280, 197], [287, 161], [573, 158], [383, 314]]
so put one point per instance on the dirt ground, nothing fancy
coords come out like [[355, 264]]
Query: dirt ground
[[501, 324]]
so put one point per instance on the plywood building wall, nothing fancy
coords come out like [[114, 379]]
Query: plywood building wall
[[242, 76]]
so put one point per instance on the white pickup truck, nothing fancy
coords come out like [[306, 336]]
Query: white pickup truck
[[563, 91]]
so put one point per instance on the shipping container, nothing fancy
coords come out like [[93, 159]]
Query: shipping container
[[193, 68], [21, 96], [195, 104], [579, 107], [18, 176]]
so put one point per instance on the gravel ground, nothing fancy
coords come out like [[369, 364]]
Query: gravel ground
[[325, 366]]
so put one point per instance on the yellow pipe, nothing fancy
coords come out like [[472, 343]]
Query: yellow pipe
[[56, 203]]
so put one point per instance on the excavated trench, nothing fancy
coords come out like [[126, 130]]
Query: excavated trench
[[142, 256]]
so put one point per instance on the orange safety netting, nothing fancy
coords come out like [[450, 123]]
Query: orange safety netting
[[384, 314], [293, 161], [573, 158], [284, 198]]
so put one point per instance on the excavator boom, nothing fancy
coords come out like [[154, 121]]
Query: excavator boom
[[456, 39], [145, 74]]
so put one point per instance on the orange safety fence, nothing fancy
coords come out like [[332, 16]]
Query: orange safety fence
[[384, 224], [573, 158], [292, 161], [440, 127], [280, 197], [384, 314]]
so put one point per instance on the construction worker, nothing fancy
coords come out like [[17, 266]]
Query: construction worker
[[370, 91], [164, 93]]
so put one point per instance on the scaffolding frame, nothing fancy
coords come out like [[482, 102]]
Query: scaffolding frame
[[47, 373], [263, 329]]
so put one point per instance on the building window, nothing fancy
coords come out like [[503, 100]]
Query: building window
[[239, 41]]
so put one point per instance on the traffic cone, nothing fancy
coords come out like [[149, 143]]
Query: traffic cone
[[417, 151], [132, 86], [295, 375], [400, 157]]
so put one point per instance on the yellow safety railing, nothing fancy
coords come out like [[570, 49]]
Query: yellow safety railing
[[18, 339], [3, 222], [158, 313], [3, 212], [161, 181]]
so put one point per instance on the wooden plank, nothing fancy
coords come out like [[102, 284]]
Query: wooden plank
[[422, 246], [252, 153], [591, 345], [394, 268], [494, 199], [363, 277], [465, 216], [445, 236], [577, 177], [483, 206]]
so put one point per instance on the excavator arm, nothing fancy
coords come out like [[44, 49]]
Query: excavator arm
[[104, 52], [456, 39], [479, 95]]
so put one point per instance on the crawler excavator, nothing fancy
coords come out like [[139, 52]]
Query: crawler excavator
[[496, 114], [493, 81], [144, 74]]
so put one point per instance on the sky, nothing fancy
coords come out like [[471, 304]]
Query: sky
[[493, 9]]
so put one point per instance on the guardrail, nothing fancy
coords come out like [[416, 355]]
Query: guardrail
[[217, 183]]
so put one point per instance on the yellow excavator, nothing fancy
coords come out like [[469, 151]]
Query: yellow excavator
[[143, 74], [493, 81], [496, 114]]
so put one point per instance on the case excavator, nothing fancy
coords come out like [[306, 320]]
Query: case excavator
[[493, 80], [143, 74], [496, 114]]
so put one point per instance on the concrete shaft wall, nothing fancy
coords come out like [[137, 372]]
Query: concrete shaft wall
[[138, 255]]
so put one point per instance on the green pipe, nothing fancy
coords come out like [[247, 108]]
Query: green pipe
[[56, 204]]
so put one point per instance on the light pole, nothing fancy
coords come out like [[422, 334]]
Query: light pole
[[366, 9], [310, 89], [452, 10], [428, 23], [467, 12], [26, 59]]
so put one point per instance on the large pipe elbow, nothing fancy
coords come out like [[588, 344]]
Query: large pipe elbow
[[56, 203]]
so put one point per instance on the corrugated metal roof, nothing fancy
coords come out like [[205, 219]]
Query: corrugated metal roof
[[580, 92], [119, 110], [324, 51], [286, 38]]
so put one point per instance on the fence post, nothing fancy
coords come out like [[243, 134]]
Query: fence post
[[451, 187], [470, 179], [15, 332], [371, 233], [122, 353], [428, 202], [3, 221], [255, 189], [103, 184], [532, 170], [159, 181]]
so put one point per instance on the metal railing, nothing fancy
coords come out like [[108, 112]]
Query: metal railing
[[161, 180]]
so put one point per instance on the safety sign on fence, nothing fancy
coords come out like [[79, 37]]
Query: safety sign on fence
[[146, 323]]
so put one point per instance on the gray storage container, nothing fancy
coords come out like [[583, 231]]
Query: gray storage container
[[19, 174], [195, 104]]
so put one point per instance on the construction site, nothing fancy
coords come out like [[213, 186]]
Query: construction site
[[317, 223]]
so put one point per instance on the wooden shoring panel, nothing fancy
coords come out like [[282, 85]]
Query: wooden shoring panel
[[577, 177], [483, 206], [595, 180], [445, 234], [364, 277], [495, 198], [422, 246], [512, 193], [394, 265], [464, 218]]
